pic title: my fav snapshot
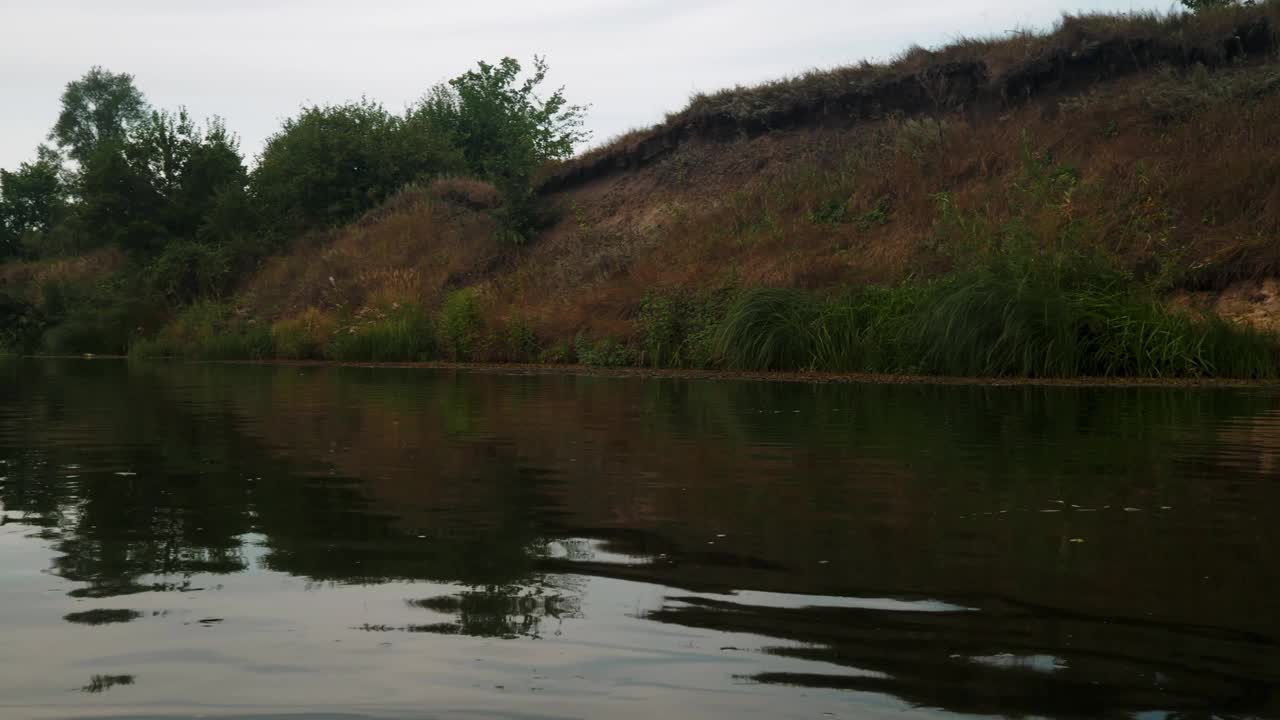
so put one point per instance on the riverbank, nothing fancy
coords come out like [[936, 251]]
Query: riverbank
[[714, 375], [1119, 222]]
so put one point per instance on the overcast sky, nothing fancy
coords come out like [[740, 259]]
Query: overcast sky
[[255, 62]]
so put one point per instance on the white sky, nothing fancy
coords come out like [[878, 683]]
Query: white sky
[[254, 62]]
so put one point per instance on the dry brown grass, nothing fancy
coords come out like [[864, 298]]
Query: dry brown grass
[[1194, 194], [1174, 173], [29, 279], [1080, 49], [409, 250]]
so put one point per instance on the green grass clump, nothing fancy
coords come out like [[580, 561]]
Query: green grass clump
[[1011, 316], [870, 330], [770, 329], [677, 329], [403, 334]]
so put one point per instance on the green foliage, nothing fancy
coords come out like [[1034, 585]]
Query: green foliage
[[1013, 315], [332, 163], [403, 334], [176, 195], [505, 131], [870, 330], [209, 330], [32, 199], [102, 317], [304, 337], [1198, 5], [162, 181], [769, 329], [186, 166], [560, 353], [100, 107], [838, 212], [521, 342], [678, 329], [831, 212], [20, 326], [118, 203], [608, 352], [458, 325], [186, 270]]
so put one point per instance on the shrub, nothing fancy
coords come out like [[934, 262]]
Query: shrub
[[678, 329], [304, 337], [520, 343], [210, 330], [608, 352], [458, 325], [184, 271], [334, 162], [561, 353], [402, 334], [96, 315]]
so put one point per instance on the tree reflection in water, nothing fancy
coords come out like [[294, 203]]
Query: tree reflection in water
[[518, 491]]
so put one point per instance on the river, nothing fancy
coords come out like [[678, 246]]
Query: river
[[185, 540]]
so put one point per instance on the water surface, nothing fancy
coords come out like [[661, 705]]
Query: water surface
[[247, 541]]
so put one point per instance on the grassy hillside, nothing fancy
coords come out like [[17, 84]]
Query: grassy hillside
[[1100, 199]]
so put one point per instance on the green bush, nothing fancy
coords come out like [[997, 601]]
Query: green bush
[[186, 270], [521, 342], [561, 353], [608, 352], [458, 325], [331, 163], [103, 317], [209, 330], [678, 329]]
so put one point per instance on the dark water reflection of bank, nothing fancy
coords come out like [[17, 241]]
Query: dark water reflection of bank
[[1017, 551]]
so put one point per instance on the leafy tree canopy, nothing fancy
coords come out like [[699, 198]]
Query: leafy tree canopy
[[98, 107], [32, 198], [158, 182], [505, 131], [503, 127], [333, 162], [1197, 5]]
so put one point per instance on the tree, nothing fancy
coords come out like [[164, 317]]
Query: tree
[[504, 129], [159, 182], [187, 167], [119, 203], [331, 163], [99, 107], [1198, 5], [32, 198]]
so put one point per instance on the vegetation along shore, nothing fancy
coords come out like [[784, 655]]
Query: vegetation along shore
[[1101, 199]]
